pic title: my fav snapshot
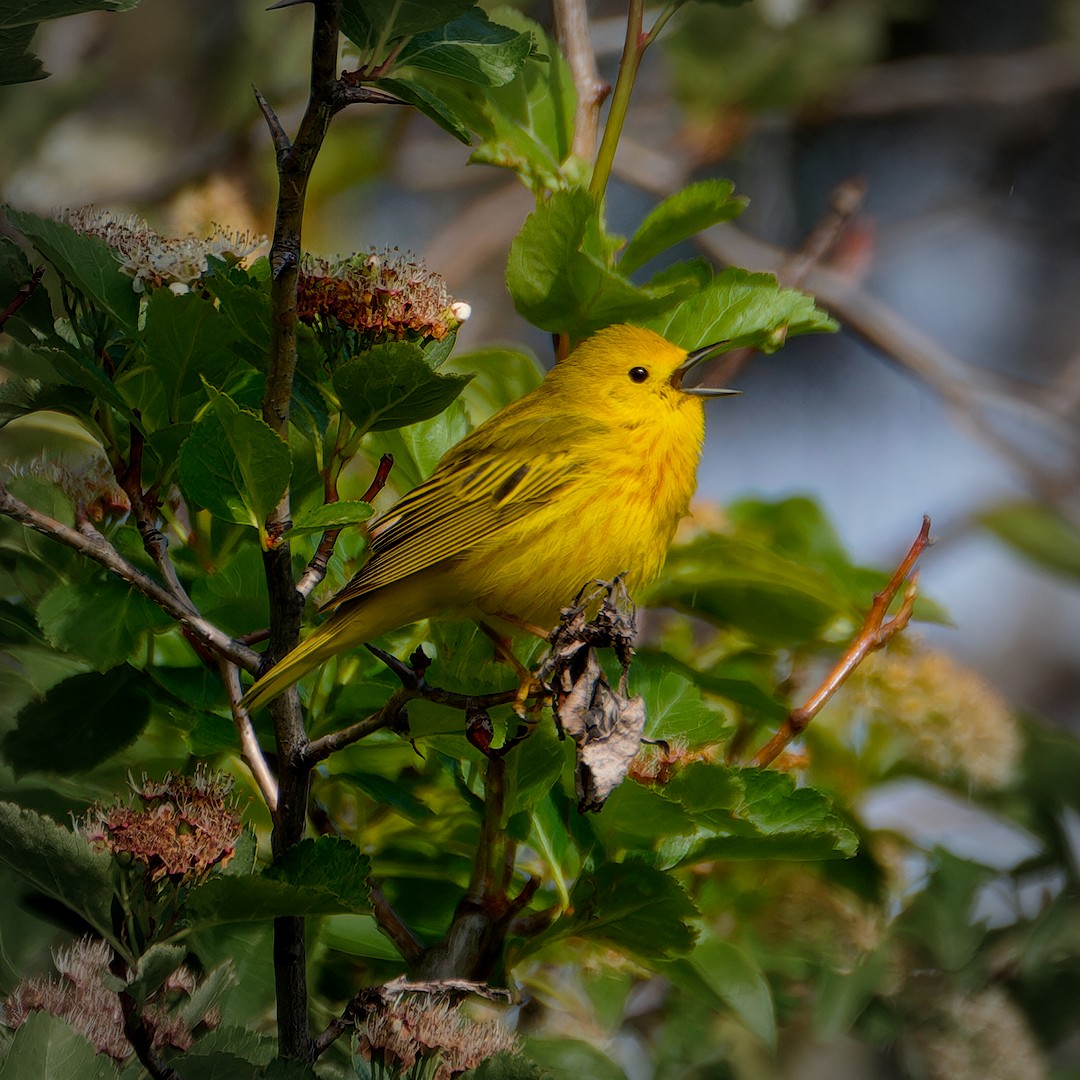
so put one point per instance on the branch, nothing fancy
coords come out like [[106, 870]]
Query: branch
[[874, 634], [250, 751], [572, 31], [93, 545], [391, 925]]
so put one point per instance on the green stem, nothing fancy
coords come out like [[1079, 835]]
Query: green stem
[[633, 48], [660, 23]]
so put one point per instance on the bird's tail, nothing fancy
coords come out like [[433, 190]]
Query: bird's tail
[[335, 635]]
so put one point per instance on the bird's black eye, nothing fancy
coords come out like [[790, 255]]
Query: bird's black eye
[[639, 374]]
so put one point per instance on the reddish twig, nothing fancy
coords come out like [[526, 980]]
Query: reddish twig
[[24, 294], [390, 923], [875, 633], [316, 569]]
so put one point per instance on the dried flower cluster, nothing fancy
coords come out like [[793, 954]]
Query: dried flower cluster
[[179, 827], [81, 999], [156, 261], [87, 481], [956, 724], [407, 1030], [385, 296], [961, 1036]]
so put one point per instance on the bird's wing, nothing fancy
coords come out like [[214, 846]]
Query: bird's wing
[[482, 486]]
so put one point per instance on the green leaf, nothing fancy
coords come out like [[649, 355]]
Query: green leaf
[[680, 217], [87, 262], [1037, 532], [367, 23], [559, 285], [187, 339], [632, 905], [756, 813], [20, 396], [737, 981], [79, 723], [418, 447], [358, 935], [327, 876], [46, 1048], [470, 47], [24, 12], [431, 104], [392, 386], [17, 63], [233, 463], [744, 309], [335, 515], [734, 582], [59, 863], [87, 373], [674, 706], [101, 620], [509, 1066]]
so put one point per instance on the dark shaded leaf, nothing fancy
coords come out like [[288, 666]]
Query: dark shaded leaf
[[101, 620], [59, 863], [19, 396], [392, 386], [79, 723], [327, 876], [17, 63], [46, 1048], [366, 23], [88, 263]]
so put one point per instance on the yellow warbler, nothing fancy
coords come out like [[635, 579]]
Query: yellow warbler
[[584, 477]]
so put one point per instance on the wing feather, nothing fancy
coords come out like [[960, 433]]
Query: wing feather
[[485, 485]]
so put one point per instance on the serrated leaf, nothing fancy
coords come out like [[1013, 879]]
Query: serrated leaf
[[470, 47], [366, 23], [392, 386], [79, 723], [233, 463], [87, 262], [46, 1048], [744, 309], [633, 905], [560, 285], [336, 515], [1039, 533], [327, 876], [186, 339], [680, 217], [101, 620], [59, 863]]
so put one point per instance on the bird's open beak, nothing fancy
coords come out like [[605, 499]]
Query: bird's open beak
[[691, 362]]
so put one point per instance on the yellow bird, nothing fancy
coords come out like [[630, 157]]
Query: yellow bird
[[584, 477]]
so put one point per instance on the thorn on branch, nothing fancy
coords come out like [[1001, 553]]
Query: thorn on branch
[[873, 635], [278, 135]]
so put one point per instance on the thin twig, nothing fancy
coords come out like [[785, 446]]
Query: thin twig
[[365, 95], [316, 569], [874, 633], [250, 751], [390, 923], [571, 22], [93, 545]]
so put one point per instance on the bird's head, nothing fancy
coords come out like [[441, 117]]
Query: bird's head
[[637, 371]]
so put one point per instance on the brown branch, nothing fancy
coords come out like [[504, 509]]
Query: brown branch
[[93, 545], [874, 634], [250, 751], [390, 923], [24, 293], [348, 94], [571, 21]]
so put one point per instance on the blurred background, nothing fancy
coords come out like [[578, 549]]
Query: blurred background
[[955, 392]]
